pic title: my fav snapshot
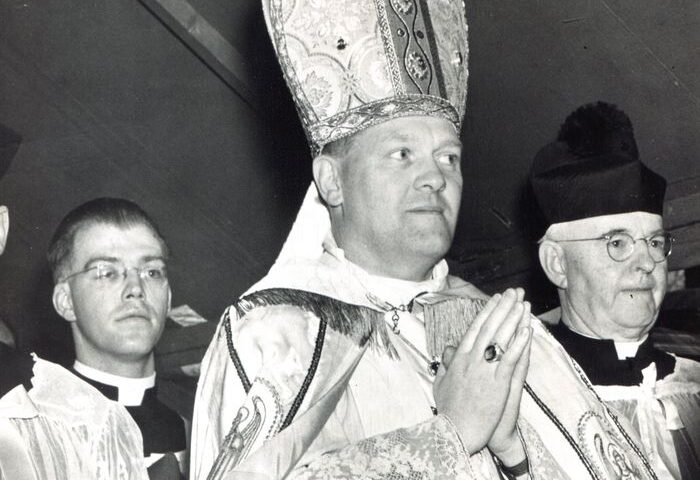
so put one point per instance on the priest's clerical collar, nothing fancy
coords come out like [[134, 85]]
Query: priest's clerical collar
[[392, 290], [606, 363], [628, 349], [624, 349], [131, 390]]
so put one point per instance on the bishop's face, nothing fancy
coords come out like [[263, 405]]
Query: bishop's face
[[402, 186], [610, 299]]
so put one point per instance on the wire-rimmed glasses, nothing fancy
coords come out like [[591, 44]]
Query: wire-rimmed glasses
[[113, 273], [621, 245]]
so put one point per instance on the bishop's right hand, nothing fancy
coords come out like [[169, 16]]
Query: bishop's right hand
[[479, 396]]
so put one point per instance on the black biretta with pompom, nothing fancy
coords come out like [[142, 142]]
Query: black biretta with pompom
[[593, 169]]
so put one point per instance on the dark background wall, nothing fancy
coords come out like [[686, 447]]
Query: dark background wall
[[118, 98]]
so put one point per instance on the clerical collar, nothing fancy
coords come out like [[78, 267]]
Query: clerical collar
[[601, 359], [628, 349], [393, 290], [624, 349], [130, 390]]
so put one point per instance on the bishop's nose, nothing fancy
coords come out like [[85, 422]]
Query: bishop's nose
[[431, 176]]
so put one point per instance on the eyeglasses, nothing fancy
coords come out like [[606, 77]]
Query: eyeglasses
[[621, 245], [107, 273]]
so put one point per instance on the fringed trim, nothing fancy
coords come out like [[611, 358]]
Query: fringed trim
[[447, 318], [362, 324]]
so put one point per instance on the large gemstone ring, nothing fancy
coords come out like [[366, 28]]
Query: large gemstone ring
[[493, 352]]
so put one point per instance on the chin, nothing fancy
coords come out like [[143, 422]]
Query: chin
[[435, 250], [641, 318], [434, 241], [135, 352], [137, 345]]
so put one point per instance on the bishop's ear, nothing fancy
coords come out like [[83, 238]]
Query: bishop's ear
[[63, 301], [326, 171], [553, 262]]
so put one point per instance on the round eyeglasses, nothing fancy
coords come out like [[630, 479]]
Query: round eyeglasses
[[107, 273], [621, 245]]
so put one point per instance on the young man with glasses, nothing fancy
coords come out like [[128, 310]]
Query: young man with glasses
[[53, 425], [109, 265], [605, 249]]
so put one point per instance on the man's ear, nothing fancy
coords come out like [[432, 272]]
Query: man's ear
[[326, 171], [63, 301], [553, 262], [4, 227]]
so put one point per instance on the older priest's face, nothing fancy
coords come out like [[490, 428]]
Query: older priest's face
[[619, 300], [402, 186]]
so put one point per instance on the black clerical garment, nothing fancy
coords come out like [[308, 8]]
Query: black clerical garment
[[15, 369], [162, 429], [658, 392]]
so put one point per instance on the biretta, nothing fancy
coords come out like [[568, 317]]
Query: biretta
[[593, 169], [351, 64]]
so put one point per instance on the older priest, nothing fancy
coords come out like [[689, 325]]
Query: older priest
[[330, 367], [605, 249]]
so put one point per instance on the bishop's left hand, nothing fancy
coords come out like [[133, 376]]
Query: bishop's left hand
[[505, 442], [473, 384]]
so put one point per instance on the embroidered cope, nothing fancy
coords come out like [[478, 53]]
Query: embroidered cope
[[272, 404]]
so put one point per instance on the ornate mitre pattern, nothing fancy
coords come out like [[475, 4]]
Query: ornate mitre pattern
[[351, 64]]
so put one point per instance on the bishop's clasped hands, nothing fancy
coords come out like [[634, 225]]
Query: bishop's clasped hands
[[479, 384]]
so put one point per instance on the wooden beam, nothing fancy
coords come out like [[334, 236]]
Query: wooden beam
[[686, 248], [207, 44], [682, 206], [682, 219]]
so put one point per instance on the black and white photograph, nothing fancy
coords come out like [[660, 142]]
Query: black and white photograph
[[349, 240]]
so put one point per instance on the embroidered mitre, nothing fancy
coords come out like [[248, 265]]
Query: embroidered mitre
[[351, 64]]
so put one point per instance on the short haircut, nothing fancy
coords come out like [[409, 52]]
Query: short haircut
[[110, 211]]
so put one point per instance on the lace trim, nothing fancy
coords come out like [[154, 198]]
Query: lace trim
[[428, 450]]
